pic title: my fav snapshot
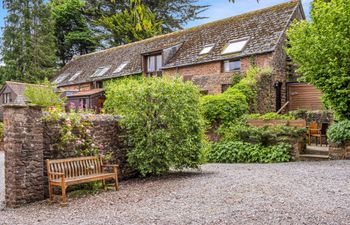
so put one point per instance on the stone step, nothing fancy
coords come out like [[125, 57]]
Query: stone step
[[316, 152], [313, 157]]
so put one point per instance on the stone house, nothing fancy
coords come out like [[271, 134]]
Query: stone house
[[209, 55], [12, 93]]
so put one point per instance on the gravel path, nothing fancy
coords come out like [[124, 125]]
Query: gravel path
[[289, 193], [2, 179]]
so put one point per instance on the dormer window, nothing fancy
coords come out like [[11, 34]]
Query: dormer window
[[154, 64], [235, 46], [101, 71], [207, 49], [6, 98]]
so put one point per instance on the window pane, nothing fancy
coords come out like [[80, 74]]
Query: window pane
[[206, 49], [232, 66], [151, 64], [159, 62], [234, 47]]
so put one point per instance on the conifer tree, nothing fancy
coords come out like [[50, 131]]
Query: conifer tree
[[28, 41]]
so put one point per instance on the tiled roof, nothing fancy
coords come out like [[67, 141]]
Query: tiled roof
[[88, 93], [263, 28]]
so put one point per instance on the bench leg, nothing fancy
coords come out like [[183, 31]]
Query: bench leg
[[64, 197], [50, 192], [116, 185], [104, 184]]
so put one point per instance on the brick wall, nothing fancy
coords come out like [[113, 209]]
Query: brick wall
[[30, 140]]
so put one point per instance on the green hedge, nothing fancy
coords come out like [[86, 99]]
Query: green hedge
[[271, 116], [241, 152], [163, 121], [224, 108]]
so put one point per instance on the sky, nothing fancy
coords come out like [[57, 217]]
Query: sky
[[218, 9]]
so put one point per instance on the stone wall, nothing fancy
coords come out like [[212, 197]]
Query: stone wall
[[339, 151], [24, 158], [30, 140]]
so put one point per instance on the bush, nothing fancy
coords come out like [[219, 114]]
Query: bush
[[163, 121], [339, 133], [271, 116], [264, 136], [224, 108], [43, 95], [241, 152]]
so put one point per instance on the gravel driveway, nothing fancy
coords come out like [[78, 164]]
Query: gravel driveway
[[2, 179], [289, 193]]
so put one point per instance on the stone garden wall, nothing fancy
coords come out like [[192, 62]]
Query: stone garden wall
[[339, 151], [30, 140]]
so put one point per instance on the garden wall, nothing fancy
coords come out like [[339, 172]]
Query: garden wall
[[29, 141], [339, 151]]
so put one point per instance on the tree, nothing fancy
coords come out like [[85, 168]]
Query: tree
[[321, 50], [172, 14], [28, 41], [73, 33], [133, 24], [162, 119]]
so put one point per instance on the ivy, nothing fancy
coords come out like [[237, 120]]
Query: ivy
[[339, 133]]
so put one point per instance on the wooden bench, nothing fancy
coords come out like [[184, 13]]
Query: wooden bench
[[66, 172]]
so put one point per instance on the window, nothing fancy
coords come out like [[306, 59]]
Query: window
[[154, 63], [75, 76], [230, 66], [121, 67], [101, 71], [83, 103], [99, 84], [204, 92], [206, 49], [6, 98], [235, 46], [61, 78]]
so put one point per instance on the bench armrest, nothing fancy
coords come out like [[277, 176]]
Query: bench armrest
[[114, 166]]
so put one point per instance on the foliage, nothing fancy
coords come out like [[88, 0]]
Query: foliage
[[43, 95], [74, 132], [27, 41], [130, 25], [224, 108], [299, 113], [163, 122], [1, 132], [321, 50], [270, 116], [339, 133], [264, 136], [241, 152], [73, 33]]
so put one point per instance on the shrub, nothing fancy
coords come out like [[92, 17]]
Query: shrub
[[43, 95], [264, 136], [224, 108], [241, 152], [271, 116], [163, 121], [339, 133]]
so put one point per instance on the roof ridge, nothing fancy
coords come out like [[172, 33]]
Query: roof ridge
[[296, 2]]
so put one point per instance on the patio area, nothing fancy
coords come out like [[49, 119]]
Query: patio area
[[288, 193]]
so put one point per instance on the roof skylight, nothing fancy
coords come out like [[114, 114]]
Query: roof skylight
[[75, 76], [206, 49], [101, 71], [235, 46], [61, 78], [121, 67]]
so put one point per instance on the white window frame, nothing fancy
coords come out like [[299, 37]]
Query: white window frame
[[121, 67], [61, 78], [207, 49], [101, 71], [75, 76], [155, 57], [235, 46], [6, 98]]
